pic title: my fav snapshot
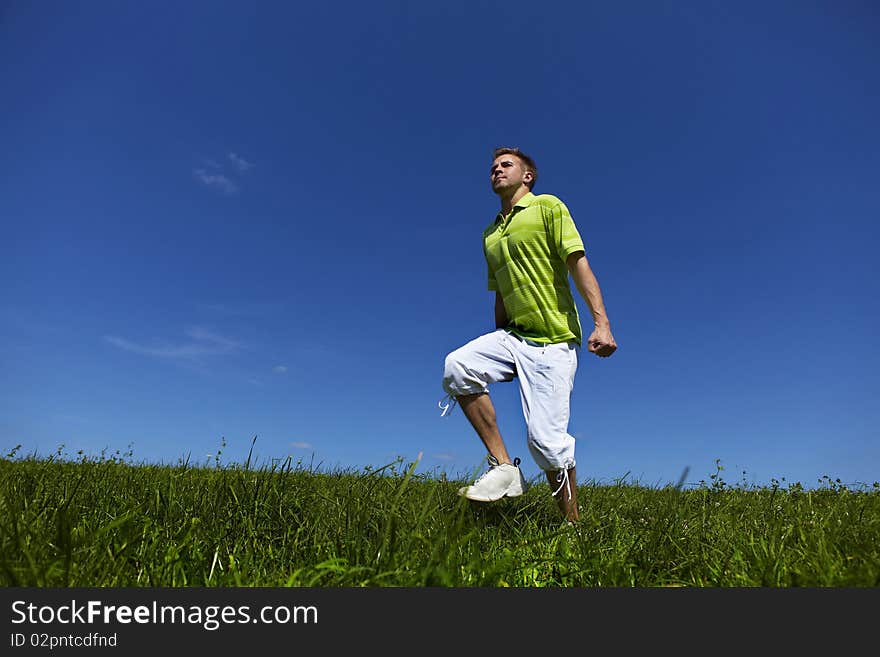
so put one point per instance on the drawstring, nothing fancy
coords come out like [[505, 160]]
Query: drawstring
[[448, 406], [563, 477]]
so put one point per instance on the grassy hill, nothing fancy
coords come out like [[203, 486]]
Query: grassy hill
[[111, 522]]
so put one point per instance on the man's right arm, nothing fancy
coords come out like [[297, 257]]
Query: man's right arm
[[501, 319]]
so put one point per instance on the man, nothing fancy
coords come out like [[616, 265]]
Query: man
[[531, 248]]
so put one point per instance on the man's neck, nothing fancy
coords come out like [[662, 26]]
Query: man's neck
[[507, 203]]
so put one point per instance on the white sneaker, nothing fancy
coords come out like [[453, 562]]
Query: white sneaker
[[500, 480]]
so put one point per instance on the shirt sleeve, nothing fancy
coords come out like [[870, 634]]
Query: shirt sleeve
[[564, 233]]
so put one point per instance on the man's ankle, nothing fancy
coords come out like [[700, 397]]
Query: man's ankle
[[564, 486]]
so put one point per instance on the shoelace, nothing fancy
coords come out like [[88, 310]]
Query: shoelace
[[492, 466], [493, 463], [563, 477], [448, 406]]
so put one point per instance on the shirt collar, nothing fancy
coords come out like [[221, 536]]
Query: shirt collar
[[527, 199]]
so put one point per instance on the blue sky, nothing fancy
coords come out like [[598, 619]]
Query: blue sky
[[228, 220]]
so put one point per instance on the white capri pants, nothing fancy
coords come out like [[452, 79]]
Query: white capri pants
[[546, 378]]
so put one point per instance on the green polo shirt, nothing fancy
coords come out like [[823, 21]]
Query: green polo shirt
[[526, 253]]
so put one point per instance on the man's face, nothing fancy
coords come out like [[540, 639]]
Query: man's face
[[507, 173]]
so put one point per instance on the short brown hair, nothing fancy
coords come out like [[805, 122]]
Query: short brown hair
[[528, 162]]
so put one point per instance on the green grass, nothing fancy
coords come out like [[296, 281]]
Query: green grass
[[111, 522]]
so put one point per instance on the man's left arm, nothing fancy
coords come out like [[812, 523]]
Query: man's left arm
[[600, 342]]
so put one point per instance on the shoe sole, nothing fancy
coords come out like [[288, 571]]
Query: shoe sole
[[490, 499]]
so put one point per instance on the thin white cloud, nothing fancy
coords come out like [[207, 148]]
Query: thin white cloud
[[301, 445], [443, 457], [216, 180], [204, 344], [222, 343], [279, 369], [240, 163], [212, 173]]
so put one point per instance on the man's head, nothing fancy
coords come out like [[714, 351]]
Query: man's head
[[510, 169]]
